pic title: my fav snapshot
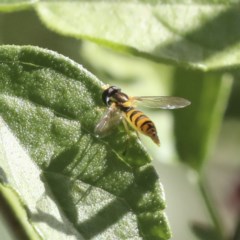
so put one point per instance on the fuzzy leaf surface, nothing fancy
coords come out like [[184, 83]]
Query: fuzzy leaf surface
[[72, 183]]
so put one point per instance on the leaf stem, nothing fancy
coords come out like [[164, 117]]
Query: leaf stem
[[211, 208], [11, 218], [236, 235], [15, 215]]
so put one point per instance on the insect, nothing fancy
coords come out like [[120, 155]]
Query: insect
[[122, 107]]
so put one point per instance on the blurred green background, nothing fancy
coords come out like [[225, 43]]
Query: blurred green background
[[137, 76]]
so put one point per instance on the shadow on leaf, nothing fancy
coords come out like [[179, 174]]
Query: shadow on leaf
[[100, 194]]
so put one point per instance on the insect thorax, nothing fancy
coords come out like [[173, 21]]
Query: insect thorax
[[114, 94]]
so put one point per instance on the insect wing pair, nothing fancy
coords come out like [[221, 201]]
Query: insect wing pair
[[111, 118]]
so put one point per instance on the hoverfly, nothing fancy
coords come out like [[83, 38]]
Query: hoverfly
[[121, 107]]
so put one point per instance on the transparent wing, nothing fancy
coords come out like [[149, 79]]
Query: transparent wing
[[110, 118], [164, 102]]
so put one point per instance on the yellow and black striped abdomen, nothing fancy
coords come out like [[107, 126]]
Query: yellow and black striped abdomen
[[141, 123]]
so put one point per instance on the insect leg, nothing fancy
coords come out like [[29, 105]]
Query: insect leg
[[126, 126], [128, 135]]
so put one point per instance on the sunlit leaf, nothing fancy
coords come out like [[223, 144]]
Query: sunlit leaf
[[72, 183], [165, 31]]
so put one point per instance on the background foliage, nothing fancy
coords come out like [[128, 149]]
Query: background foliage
[[199, 42]]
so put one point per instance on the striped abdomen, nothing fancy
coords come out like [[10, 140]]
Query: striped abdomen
[[141, 123]]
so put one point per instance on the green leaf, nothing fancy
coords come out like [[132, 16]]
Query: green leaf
[[15, 5], [204, 232], [197, 126], [165, 31], [72, 183]]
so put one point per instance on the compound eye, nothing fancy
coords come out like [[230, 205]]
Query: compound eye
[[106, 95]]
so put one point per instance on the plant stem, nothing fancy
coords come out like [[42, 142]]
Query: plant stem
[[15, 215], [211, 208], [237, 231], [11, 218]]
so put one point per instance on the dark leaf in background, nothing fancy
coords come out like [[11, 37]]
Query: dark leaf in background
[[204, 232], [199, 123]]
